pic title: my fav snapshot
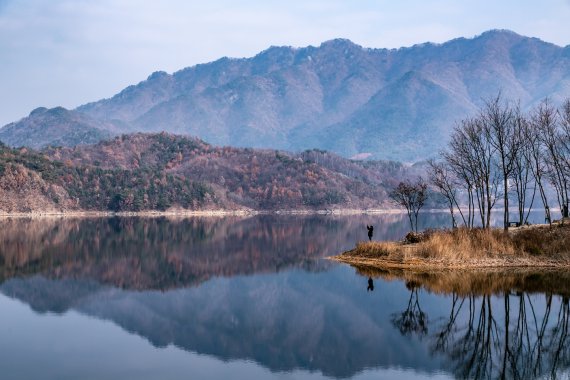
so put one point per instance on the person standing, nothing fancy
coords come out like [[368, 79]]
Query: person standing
[[370, 231]]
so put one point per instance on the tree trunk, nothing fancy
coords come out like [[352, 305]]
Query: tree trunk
[[506, 190]]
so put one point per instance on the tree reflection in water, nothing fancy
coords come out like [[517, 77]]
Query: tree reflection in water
[[505, 334], [412, 320], [525, 344]]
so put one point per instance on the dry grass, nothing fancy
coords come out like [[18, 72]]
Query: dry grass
[[375, 249], [543, 240], [463, 243], [529, 246]]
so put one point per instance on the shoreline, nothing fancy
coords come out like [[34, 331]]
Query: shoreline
[[433, 265], [212, 212], [191, 213], [102, 214], [535, 246]]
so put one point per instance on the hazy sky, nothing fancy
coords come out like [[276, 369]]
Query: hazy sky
[[69, 52]]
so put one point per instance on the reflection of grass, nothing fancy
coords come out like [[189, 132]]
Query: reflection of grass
[[528, 246], [464, 282]]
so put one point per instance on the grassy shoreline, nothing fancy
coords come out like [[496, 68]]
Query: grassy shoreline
[[530, 246]]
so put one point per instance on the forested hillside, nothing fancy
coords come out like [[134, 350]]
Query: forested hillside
[[161, 171]]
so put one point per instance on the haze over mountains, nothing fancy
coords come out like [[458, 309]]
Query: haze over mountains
[[397, 104]]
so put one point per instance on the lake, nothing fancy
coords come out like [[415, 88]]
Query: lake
[[254, 297]]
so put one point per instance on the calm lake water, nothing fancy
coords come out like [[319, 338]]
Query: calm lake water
[[247, 298]]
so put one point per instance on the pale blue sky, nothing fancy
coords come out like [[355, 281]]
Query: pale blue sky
[[68, 52]]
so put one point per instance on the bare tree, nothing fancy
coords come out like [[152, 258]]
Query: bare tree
[[501, 129], [545, 118], [522, 173], [564, 118], [501, 152], [535, 156], [412, 197], [464, 174], [444, 181], [472, 155]]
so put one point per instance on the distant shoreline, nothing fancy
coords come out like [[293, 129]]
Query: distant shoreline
[[191, 213], [214, 212]]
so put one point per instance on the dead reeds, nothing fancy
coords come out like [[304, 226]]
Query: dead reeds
[[478, 247], [463, 243]]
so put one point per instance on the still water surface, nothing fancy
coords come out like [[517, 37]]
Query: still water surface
[[243, 298]]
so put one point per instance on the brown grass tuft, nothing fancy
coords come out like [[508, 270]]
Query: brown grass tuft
[[377, 249], [544, 241], [463, 243]]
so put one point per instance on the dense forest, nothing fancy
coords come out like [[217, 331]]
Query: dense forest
[[141, 172]]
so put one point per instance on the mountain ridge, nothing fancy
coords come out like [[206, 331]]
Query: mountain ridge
[[297, 98]]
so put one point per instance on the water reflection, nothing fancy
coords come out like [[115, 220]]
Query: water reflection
[[523, 343], [370, 287], [508, 325], [412, 320], [136, 253], [161, 253], [234, 288], [256, 289], [478, 282]]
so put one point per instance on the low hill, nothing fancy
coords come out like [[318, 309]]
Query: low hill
[[31, 182], [141, 172]]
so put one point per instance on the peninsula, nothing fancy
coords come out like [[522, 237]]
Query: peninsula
[[528, 246]]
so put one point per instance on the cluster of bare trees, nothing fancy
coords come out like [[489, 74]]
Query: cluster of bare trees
[[503, 154]]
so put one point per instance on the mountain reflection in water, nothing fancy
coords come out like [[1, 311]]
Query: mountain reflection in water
[[257, 289]]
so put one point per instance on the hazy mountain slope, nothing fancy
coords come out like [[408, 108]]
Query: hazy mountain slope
[[342, 97], [56, 126], [398, 121], [338, 96]]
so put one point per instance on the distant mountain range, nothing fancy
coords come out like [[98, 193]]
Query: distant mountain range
[[397, 104]]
